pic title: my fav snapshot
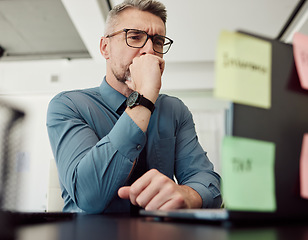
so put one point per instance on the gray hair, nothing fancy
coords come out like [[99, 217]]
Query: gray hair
[[151, 6]]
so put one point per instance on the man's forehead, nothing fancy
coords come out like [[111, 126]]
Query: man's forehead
[[137, 19]]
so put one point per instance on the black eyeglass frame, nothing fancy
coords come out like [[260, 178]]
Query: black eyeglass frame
[[148, 36]]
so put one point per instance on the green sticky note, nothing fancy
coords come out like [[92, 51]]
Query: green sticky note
[[243, 69], [248, 175], [253, 234]]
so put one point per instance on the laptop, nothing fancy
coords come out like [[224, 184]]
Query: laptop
[[284, 124]]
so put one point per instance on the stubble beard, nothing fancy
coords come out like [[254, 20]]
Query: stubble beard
[[122, 77]]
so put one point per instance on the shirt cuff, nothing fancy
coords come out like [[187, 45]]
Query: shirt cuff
[[127, 137], [211, 197]]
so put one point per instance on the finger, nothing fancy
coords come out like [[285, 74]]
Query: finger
[[123, 192], [140, 185], [162, 65], [170, 205], [156, 202], [147, 194], [130, 82], [157, 190], [131, 85], [177, 201], [166, 194], [136, 189]]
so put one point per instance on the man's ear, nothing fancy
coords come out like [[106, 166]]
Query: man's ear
[[104, 47]]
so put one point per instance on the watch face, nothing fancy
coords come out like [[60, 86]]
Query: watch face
[[131, 100]]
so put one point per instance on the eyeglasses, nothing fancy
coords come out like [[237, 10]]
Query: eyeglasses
[[137, 39]]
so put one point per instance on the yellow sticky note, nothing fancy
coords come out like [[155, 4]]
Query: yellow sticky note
[[248, 175], [300, 52], [304, 168], [243, 69]]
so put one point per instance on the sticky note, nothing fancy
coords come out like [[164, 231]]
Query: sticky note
[[304, 168], [243, 69], [253, 234], [248, 175], [300, 52]]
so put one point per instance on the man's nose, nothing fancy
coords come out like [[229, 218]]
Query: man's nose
[[148, 47]]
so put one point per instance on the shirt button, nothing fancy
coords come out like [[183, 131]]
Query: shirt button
[[139, 147]]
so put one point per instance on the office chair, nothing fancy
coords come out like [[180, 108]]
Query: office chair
[[55, 202]]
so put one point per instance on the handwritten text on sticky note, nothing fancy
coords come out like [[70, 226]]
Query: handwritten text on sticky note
[[243, 69], [248, 174]]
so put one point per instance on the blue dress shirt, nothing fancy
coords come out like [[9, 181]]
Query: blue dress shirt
[[95, 146]]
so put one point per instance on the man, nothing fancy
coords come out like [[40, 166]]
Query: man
[[122, 143]]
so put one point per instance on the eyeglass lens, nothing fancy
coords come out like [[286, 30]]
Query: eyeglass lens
[[137, 39]]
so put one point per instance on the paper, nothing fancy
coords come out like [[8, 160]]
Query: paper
[[248, 175], [304, 168], [243, 69], [253, 234], [300, 52]]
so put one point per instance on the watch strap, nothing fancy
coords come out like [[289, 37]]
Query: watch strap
[[146, 103], [136, 99]]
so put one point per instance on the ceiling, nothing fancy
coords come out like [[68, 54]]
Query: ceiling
[[57, 29], [38, 29]]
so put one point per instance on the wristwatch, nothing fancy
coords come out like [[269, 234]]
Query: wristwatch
[[135, 99]]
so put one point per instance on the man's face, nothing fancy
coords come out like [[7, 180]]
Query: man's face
[[120, 55]]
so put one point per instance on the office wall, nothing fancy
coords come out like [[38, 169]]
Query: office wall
[[30, 86]]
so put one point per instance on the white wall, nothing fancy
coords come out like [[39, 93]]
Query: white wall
[[30, 86]]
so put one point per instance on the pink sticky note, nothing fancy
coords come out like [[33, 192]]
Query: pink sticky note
[[304, 168], [300, 52]]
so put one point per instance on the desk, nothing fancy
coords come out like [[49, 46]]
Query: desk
[[114, 227]]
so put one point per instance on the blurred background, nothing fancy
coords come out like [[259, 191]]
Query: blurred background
[[48, 46]]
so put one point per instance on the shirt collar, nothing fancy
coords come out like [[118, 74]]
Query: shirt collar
[[111, 97]]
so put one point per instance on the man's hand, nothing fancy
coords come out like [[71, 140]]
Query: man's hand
[[155, 191], [146, 72]]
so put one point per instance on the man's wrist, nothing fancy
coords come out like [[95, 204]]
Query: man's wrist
[[194, 199], [137, 99], [150, 95]]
